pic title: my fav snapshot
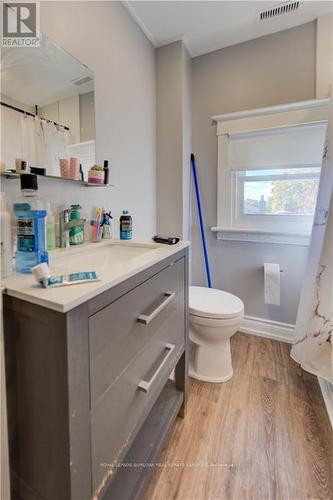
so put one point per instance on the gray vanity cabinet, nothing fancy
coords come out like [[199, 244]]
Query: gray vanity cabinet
[[90, 389]]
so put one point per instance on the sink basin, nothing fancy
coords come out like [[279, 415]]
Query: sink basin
[[97, 257]]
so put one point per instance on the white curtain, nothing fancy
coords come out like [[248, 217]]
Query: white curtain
[[284, 147], [43, 143], [31, 140], [313, 348], [53, 140]]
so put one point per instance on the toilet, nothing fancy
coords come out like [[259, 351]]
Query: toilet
[[214, 316]]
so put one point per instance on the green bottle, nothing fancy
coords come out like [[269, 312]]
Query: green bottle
[[76, 234]]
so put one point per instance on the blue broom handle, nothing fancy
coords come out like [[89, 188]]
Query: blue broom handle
[[201, 224]]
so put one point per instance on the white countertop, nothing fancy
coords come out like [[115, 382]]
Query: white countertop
[[114, 260]]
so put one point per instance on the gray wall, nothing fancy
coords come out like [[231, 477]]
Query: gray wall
[[271, 70], [103, 36]]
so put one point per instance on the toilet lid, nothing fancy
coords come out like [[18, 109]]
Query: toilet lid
[[212, 303]]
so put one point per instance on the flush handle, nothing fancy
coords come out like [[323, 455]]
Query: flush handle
[[146, 319], [144, 385]]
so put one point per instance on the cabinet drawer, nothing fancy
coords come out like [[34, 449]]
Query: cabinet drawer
[[119, 414], [116, 335]]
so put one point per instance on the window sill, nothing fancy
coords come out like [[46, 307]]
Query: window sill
[[261, 236]]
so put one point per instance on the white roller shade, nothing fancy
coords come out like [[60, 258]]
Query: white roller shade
[[298, 146]]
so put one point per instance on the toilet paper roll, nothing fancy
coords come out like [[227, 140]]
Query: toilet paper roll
[[272, 283]]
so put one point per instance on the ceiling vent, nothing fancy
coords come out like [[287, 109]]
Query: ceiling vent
[[278, 10], [83, 80]]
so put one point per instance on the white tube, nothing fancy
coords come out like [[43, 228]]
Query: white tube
[[43, 276]]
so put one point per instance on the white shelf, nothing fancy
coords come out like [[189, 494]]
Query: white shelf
[[13, 175], [253, 236]]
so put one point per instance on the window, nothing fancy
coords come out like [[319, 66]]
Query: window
[[279, 199], [268, 176], [279, 192]]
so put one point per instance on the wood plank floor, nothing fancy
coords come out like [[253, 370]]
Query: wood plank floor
[[263, 435]]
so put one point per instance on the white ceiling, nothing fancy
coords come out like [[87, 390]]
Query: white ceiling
[[210, 25]]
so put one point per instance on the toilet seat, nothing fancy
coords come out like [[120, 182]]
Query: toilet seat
[[215, 304]]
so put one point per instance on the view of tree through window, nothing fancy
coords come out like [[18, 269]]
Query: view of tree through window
[[294, 196]]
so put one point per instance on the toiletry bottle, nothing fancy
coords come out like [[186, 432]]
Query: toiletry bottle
[[6, 239], [81, 173], [76, 234], [30, 214], [106, 172], [125, 226], [86, 226], [57, 231], [50, 229], [106, 225]]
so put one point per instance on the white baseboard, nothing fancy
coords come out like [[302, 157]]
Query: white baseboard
[[267, 328], [327, 392]]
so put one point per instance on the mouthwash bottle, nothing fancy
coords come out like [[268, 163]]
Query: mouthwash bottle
[[125, 226], [30, 214]]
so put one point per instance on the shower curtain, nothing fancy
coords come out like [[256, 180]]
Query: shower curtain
[[31, 140], [53, 146], [43, 143], [313, 347]]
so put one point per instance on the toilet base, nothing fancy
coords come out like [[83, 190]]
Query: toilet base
[[211, 363], [203, 378]]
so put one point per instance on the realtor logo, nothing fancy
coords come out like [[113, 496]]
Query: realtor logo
[[20, 24]]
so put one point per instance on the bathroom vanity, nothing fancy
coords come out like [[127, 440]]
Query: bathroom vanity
[[96, 373]]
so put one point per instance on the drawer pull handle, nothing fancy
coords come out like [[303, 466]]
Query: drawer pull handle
[[144, 386], [143, 318]]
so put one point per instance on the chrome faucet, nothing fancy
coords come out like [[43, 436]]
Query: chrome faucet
[[66, 225]]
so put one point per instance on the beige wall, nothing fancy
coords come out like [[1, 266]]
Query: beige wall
[[87, 117], [66, 112], [103, 36], [169, 139], [271, 70], [187, 140], [173, 82], [324, 56]]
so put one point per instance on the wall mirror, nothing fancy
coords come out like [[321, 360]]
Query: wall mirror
[[47, 108]]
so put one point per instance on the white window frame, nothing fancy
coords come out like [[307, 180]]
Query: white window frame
[[266, 228]]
